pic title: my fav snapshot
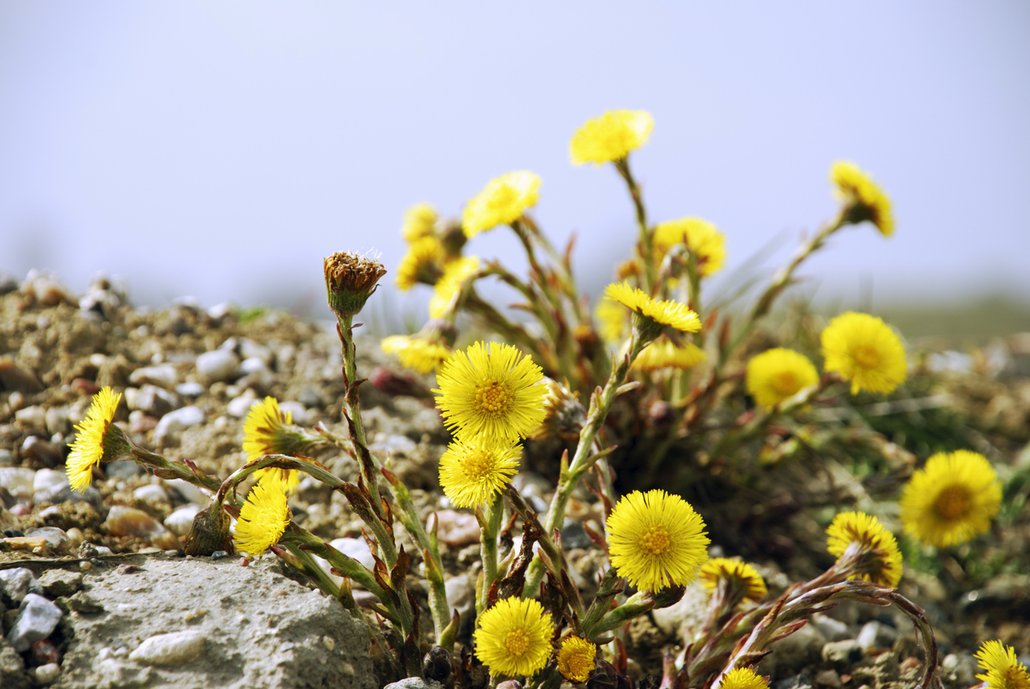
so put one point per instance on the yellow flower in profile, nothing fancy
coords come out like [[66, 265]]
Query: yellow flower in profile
[[473, 473], [513, 638], [91, 434], [703, 239], [456, 275], [778, 374], [577, 658], [871, 550], [501, 202], [865, 351], [419, 221], [267, 430], [742, 580], [743, 678], [491, 393], [423, 263], [654, 312], [656, 540], [863, 197], [263, 517], [1002, 669], [951, 499], [663, 354], [415, 353], [610, 137]]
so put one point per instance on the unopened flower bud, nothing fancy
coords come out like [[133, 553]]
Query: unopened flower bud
[[350, 280]]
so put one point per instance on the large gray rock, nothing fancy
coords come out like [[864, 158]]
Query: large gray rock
[[197, 623]]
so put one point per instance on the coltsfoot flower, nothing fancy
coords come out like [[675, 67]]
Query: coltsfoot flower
[[1002, 669], [951, 499], [613, 320], [743, 678], [869, 550], [501, 202], [610, 137], [663, 354], [742, 581], [419, 221], [865, 351], [350, 279], [702, 238], [863, 198], [656, 540], [415, 353], [456, 275], [268, 430], [473, 473], [95, 437], [263, 517], [778, 374], [513, 638], [423, 263], [654, 314], [577, 658], [490, 393]]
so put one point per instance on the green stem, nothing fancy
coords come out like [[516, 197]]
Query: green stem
[[489, 526], [645, 241]]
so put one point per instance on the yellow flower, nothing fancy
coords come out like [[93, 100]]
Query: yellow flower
[[778, 374], [1002, 669], [513, 638], [577, 658], [456, 275], [610, 137], [702, 238], [951, 499], [656, 540], [613, 320], [267, 431], [743, 581], [872, 552], [743, 678], [472, 473], [654, 312], [91, 434], [503, 201], [491, 392], [863, 197], [864, 350], [665, 354], [419, 221], [423, 263], [263, 517], [414, 352]]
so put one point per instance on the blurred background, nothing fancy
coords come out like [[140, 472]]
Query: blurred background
[[221, 149]]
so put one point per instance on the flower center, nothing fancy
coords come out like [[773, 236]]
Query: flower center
[[785, 383], [656, 541], [493, 398], [952, 503], [478, 465], [516, 641], [866, 356]]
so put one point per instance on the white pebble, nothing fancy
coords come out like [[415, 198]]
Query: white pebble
[[176, 421], [151, 494], [180, 521], [169, 649], [162, 375], [239, 406], [18, 481], [48, 482], [47, 674], [219, 365]]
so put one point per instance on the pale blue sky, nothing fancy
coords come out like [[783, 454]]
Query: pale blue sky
[[221, 149]]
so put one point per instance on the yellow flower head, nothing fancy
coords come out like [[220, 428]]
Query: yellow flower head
[[419, 221], [656, 540], [663, 354], [491, 393], [613, 320], [863, 197], [414, 352], [741, 579], [654, 313], [610, 137], [472, 473], [864, 350], [423, 263], [743, 678], [702, 238], [951, 499], [577, 658], [456, 275], [778, 374], [872, 549], [503, 201], [91, 435], [1002, 669], [267, 430], [513, 638], [263, 517]]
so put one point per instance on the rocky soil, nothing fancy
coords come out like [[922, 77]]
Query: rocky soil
[[94, 590]]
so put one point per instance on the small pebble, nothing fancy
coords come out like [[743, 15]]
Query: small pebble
[[190, 389], [18, 481], [37, 620], [14, 584], [832, 629], [180, 521], [842, 653], [17, 378], [174, 422], [829, 679], [355, 548], [457, 528], [151, 494], [151, 400], [42, 451], [162, 375], [47, 483], [239, 406], [169, 649], [47, 674], [56, 538], [220, 365], [128, 521], [31, 419]]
